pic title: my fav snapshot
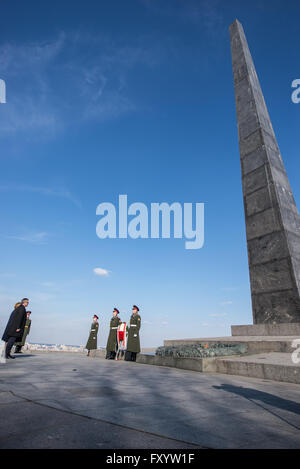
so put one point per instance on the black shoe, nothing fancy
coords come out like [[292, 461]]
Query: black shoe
[[10, 356]]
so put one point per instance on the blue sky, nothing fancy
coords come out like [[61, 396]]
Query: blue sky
[[135, 98]]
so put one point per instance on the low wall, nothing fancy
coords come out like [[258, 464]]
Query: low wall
[[193, 364]]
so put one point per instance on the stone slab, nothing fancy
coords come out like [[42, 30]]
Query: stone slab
[[271, 330], [274, 366], [194, 364], [271, 365], [254, 344], [99, 353]]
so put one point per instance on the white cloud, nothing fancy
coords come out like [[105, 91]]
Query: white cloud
[[46, 191], [38, 54], [57, 83], [100, 271], [226, 303], [35, 238]]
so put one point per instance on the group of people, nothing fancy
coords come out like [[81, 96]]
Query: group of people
[[133, 339], [17, 328], [19, 323]]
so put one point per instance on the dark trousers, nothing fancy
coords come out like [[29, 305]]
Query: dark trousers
[[18, 348], [130, 356], [110, 355], [9, 345]]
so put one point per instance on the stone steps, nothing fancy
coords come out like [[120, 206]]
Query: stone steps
[[272, 366], [267, 358], [204, 365], [270, 330], [254, 344]]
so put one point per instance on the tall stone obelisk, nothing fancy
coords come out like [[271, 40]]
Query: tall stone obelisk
[[271, 215]]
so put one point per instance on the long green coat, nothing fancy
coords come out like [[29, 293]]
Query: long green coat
[[133, 343], [25, 333], [112, 338], [92, 340]]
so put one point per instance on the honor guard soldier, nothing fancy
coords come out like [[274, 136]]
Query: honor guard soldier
[[133, 343], [111, 347], [21, 344], [92, 340]]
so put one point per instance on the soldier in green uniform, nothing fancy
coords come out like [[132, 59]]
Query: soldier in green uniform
[[133, 342], [112, 338], [21, 344], [92, 340]]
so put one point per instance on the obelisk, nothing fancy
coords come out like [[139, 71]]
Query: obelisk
[[271, 215]]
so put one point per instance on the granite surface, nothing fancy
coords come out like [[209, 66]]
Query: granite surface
[[201, 350], [271, 215]]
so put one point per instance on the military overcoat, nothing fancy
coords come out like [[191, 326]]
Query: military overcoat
[[92, 340], [133, 342], [112, 337]]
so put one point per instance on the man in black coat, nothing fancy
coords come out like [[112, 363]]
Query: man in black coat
[[15, 327]]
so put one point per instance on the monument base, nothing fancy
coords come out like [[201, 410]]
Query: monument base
[[272, 366], [270, 352], [271, 330]]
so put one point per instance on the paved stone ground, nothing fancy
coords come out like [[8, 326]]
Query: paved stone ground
[[66, 400]]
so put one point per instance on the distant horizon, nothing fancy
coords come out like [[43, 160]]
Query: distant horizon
[[71, 345]]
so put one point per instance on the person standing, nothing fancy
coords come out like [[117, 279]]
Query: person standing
[[92, 340], [133, 343], [15, 327], [21, 344], [112, 338]]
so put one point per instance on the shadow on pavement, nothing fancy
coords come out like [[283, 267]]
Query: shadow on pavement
[[266, 398], [23, 355]]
